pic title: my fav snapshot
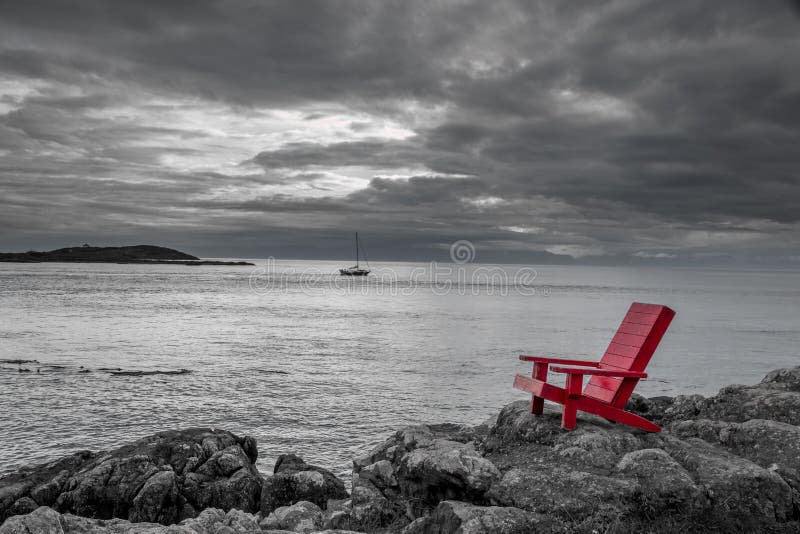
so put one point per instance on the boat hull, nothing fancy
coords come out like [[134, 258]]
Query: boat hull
[[353, 272]]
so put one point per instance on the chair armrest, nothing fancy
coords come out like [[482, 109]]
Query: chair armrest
[[543, 359], [598, 372]]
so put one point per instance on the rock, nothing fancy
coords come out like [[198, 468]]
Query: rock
[[294, 480], [741, 403], [454, 517], [444, 471], [664, 484], [418, 436], [776, 397], [240, 521], [158, 500], [46, 493], [567, 493], [770, 444], [42, 520], [410, 473], [521, 438], [682, 407], [205, 520], [42, 483], [161, 478], [762, 441], [744, 493], [652, 408], [786, 379], [228, 479], [303, 516], [602, 474], [24, 505], [370, 508], [45, 520], [381, 474]]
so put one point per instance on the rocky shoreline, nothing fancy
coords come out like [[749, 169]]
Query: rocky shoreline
[[726, 463]]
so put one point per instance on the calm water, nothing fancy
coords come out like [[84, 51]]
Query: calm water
[[325, 370]]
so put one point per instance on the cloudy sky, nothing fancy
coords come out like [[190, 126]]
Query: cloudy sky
[[617, 131]]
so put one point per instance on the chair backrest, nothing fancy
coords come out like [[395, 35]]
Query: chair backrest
[[630, 350]]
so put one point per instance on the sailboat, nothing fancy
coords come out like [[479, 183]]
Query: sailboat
[[355, 270]]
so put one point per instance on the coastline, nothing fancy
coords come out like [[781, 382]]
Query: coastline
[[147, 254], [726, 462], [147, 262]]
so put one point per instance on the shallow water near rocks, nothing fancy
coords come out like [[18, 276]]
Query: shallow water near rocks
[[306, 363]]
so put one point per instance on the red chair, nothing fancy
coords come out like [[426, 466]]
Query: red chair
[[613, 378]]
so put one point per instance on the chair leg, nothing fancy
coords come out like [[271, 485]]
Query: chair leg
[[537, 405], [539, 373], [569, 416], [573, 391]]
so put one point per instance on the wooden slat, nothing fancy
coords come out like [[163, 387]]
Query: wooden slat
[[622, 350], [616, 362], [650, 343], [583, 371], [640, 307], [539, 388], [610, 383], [628, 339], [635, 329], [640, 318], [562, 361], [598, 393]]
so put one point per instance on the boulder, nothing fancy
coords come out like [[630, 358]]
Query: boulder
[[303, 516], [454, 517], [240, 521], [45, 520], [294, 480], [770, 444], [767, 443], [567, 493], [42, 519], [776, 397], [664, 485], [766, 400], [446, 470], [42, 483], [419, 436], [785, 379], [161, 478], [23, 505], [602, 475], [411, 472], [739, 490]]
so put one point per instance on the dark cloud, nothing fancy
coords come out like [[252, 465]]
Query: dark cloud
[[626, 129]]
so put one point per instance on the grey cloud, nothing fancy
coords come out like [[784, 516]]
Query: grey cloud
[[366, 153], [622, 126]]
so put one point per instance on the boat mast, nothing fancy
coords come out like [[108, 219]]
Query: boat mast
[[356, 250]]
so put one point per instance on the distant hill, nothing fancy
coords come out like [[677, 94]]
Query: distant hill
[[134, 254]]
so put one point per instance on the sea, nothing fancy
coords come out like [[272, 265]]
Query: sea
[[326, 366]]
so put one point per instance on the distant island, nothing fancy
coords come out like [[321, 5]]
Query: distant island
[[132, 254]]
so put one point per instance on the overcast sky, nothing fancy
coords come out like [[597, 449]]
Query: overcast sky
[[604, 131]]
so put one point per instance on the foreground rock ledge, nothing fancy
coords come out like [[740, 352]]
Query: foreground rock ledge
[[163, 478], [728, 463]]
